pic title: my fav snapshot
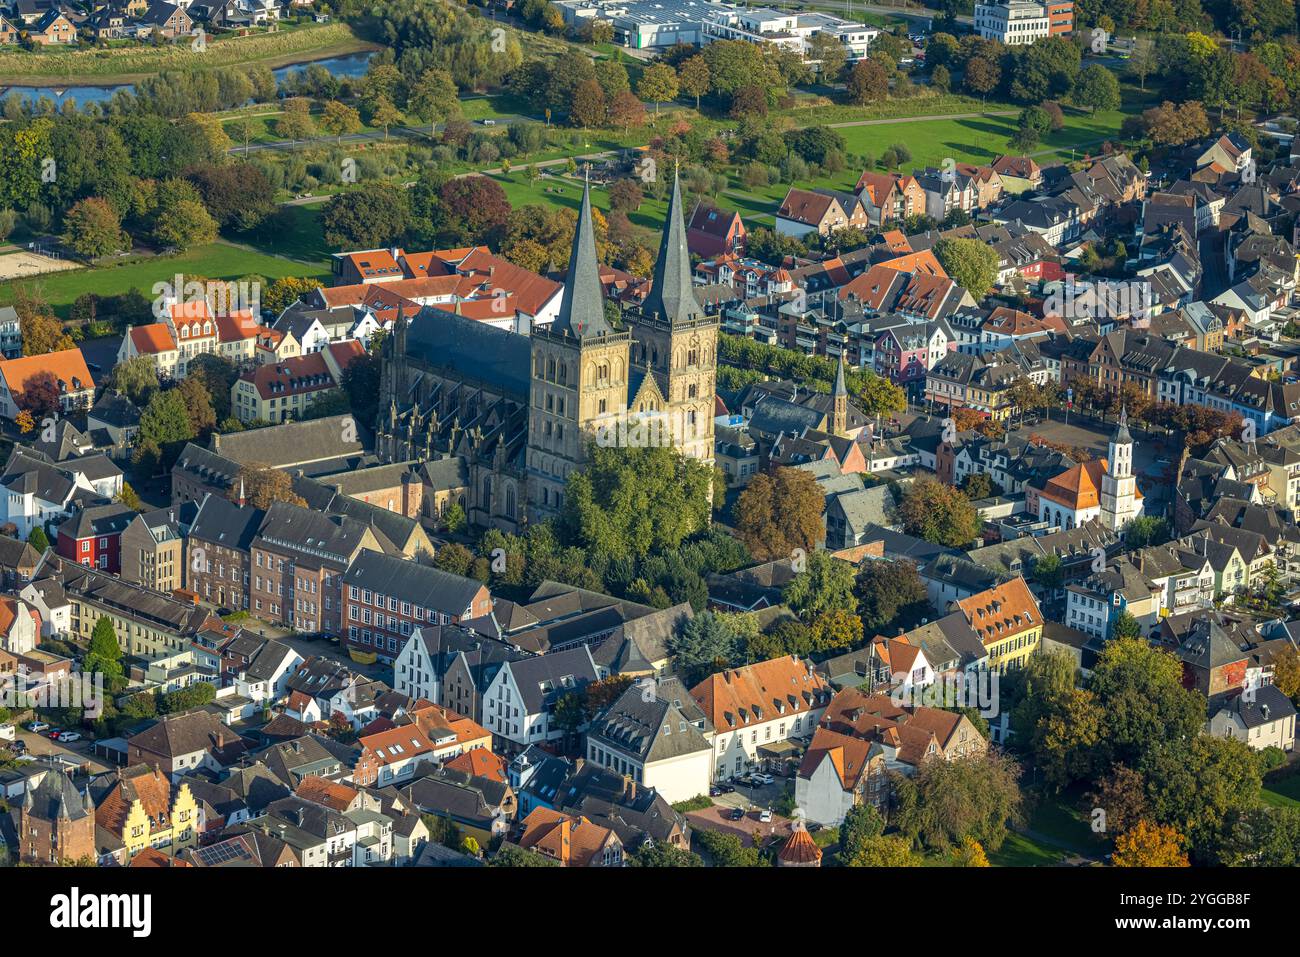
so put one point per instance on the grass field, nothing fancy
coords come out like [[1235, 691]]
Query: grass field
[[219, 260], [1282, 792], [127, 64]]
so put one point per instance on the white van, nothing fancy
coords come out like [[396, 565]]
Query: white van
[[7, 732]]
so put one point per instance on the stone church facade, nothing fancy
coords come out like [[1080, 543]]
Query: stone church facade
[[523, 412]]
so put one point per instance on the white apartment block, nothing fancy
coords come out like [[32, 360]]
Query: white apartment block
[[1015, 23]]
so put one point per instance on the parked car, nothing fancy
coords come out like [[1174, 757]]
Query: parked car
[[7, 732], [765, 815], [37, 726], [762, 777], [18, 747], [67, 737], [53, 733], [737, 814], [722, 787]]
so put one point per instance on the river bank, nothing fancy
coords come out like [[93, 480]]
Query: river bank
[[121, 66]]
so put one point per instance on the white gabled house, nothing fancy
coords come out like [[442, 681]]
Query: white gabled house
[[519, 704]]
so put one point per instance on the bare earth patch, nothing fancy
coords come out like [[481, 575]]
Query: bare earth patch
[[24, 264]]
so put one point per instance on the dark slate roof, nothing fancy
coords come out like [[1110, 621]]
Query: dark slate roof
[[294, 443], [222, 522], [313, 535], [207, 466], [542, 679], [649, 730], [410, 581], [268, 661], [1266, 705], [393, 528], [181, 734], [463, 796], [1207, 645], [436, 855], [471, 350], [115, 410], [672, 295], [582, 306], [55, 797], [773, 415], [98, 520]]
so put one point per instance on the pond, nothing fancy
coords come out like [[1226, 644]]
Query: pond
[[349, 65]]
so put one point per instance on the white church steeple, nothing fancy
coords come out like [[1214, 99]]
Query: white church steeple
[[1119, 499]]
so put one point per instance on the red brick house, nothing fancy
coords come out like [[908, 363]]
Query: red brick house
[[713, 232], [385, 598], [53, 28]]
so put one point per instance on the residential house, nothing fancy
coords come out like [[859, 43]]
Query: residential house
[[758, 710]]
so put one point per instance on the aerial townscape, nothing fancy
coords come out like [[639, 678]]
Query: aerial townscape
[[649, 433]]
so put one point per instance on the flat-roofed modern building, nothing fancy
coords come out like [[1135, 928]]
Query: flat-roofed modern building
[[1017, 22]]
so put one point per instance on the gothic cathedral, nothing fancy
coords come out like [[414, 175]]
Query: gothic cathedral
[[522, 412]]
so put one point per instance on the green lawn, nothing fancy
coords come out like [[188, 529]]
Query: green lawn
[[1282, 792], [1059, 829], [219, 260], [555, 191], [978, 139], [294, 233], [1021, 851]]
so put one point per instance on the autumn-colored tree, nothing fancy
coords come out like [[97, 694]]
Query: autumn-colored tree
[[1286, 671], [970, 853], [25, 421], [130, 498], [262, 485], [340, 119], [938, 513], [601, 694], [384, 113], [92, 228], [693, 77], [868, 82], [626, 111], [658, 84], [885, 851], [39, 395], [1150, 845], [1121, 794], [198, 404], [836, 630], [966, 419], [779, 513], [42, 333], [589, 107], [286, 290]]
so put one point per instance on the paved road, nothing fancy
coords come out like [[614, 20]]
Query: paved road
[[1214, 263]]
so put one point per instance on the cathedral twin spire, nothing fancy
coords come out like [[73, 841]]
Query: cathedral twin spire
[[672, 295], [582, 307]]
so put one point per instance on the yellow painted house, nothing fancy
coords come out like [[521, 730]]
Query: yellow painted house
[[143, 810], [1008, 621]]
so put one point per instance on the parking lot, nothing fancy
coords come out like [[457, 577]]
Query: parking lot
[[78, 752], [748, 798]]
